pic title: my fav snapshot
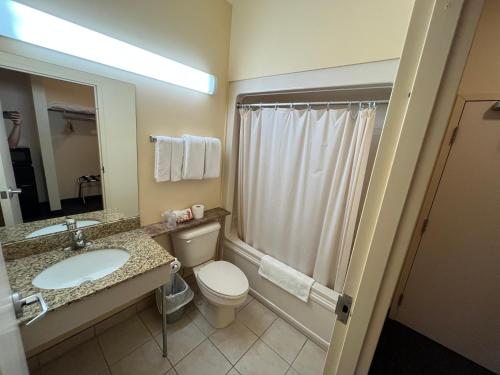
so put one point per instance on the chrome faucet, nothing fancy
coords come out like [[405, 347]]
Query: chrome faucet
[[76, 236]]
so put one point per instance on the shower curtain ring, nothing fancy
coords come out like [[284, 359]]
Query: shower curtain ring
[[275, 106]]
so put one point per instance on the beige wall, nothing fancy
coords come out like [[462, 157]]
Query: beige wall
[[271, 37], [194, 32], [482, 73], [60, 91], [77, 153]]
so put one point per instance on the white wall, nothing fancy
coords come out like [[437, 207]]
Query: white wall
[[194, 32], [270, 37], [15, 94], [76, 154]]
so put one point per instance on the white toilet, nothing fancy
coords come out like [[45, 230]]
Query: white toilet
[[224, 286]]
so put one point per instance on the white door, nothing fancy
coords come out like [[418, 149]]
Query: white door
[[453, 292], [12, 359], [9, 202]]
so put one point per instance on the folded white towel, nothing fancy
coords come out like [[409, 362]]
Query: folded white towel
[[177, 159], [194, 157], [163, 155], [287, 278], [212, 157]]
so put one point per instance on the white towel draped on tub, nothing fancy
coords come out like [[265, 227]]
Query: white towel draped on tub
[[287, 278], [194, 157], [163, 156], [212, 157]]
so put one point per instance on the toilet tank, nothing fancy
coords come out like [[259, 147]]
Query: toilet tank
[[196, 246]]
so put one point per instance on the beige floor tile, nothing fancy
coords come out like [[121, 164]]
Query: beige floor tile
[[233, 371], [183, 336], [257, 317], [115, 319], [247, 301], [284, 339], [33, 364], [234, 340], [292, 371], [123, 338], [310, 360], [65, 346], [86, 359], [151, 319], [205, 359], [171, 372], [146, 302], [145, 360], [200, 321], [261, 360]]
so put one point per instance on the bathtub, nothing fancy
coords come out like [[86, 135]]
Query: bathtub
[[314, 319]]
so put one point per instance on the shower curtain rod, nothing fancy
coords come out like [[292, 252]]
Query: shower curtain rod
[[293, 104]]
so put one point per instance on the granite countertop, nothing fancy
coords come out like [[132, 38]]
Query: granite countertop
[[20, 231], [145, 255]]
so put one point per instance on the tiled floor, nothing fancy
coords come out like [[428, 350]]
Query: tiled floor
[[257, 342]]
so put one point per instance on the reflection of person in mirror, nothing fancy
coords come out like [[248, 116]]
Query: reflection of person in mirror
[[15, 134]]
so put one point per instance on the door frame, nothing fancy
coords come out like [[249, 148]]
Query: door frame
[[436, 48]]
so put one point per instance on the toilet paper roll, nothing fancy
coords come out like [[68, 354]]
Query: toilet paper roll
[[198, 210]]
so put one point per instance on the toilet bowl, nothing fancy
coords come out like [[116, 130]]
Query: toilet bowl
[[225, 288], [223, 285]]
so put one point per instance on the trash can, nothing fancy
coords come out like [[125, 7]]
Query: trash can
[[177, 297]]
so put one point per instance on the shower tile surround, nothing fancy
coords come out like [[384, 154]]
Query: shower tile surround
[[132, 345]]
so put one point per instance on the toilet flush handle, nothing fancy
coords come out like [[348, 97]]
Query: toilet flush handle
[[188, 241]]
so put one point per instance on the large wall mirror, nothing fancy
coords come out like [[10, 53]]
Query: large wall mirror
[[67, 148]]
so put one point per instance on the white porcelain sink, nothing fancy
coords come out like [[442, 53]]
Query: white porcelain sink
[[81, 268], [61, 228]]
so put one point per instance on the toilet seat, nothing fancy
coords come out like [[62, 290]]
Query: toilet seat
[[223, 279]]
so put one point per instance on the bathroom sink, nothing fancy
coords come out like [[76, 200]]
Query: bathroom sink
[[81, 268], [61, 228]]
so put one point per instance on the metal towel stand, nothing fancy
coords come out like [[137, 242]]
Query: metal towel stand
[[175, 266]]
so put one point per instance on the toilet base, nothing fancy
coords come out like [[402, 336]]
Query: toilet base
[[217, 316]]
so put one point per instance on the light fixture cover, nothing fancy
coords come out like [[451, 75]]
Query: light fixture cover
[[29, 25]]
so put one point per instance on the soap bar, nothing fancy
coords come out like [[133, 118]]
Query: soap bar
[[183, 215]]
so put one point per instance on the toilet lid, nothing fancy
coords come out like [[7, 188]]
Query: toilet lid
[[224, 278]]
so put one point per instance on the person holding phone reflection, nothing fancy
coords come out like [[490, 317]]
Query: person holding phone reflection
[[15, 133]]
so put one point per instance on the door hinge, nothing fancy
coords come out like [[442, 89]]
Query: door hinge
[[453, 135], [424, 226], [102, 169], [343, 308], [400, 299]]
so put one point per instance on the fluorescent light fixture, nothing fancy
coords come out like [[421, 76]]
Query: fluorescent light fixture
[[29, 25]]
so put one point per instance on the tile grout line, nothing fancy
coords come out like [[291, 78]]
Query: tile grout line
[[192, 350], [133, 349], [301, 348]]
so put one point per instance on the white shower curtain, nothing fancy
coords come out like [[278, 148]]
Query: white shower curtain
[[300, 176]]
